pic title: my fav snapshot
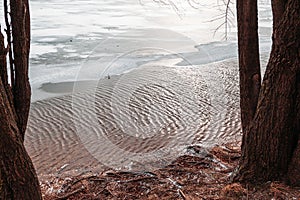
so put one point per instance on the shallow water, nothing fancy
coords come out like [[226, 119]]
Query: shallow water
[[137, 121]]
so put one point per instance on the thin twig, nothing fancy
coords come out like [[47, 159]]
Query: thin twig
[[70, 194], [9, 43], [182, 194], [136, 179]]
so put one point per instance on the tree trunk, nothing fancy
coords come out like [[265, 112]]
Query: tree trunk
[[250, 76], [278, 8], [18, 178], [20, 19], [3, 72], [270, 142], [294, 168]]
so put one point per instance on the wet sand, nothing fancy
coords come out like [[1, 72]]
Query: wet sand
[[137, 121]]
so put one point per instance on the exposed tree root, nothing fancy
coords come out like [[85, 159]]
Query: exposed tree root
[[190, 177]]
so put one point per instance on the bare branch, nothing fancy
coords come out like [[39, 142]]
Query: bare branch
[[226, 14]]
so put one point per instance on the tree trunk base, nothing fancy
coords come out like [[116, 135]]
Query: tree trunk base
[[294, 169]]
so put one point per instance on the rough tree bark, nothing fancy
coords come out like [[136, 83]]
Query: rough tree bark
[[20, 20], [270, 148], [250, 76], [278, 8], [18, 179]]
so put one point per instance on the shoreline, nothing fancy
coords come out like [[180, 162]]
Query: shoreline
[[55, 136]]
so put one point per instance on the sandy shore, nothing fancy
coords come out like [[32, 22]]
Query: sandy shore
[[141, 120]]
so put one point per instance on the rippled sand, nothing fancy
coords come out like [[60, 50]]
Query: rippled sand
[[136, 121]]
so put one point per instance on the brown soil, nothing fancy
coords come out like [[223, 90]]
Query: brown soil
[[193, 176]]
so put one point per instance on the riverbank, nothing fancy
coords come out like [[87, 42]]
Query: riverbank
[[192, 176]]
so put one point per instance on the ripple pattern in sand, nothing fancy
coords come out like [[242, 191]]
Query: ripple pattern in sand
[[138, 120]]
